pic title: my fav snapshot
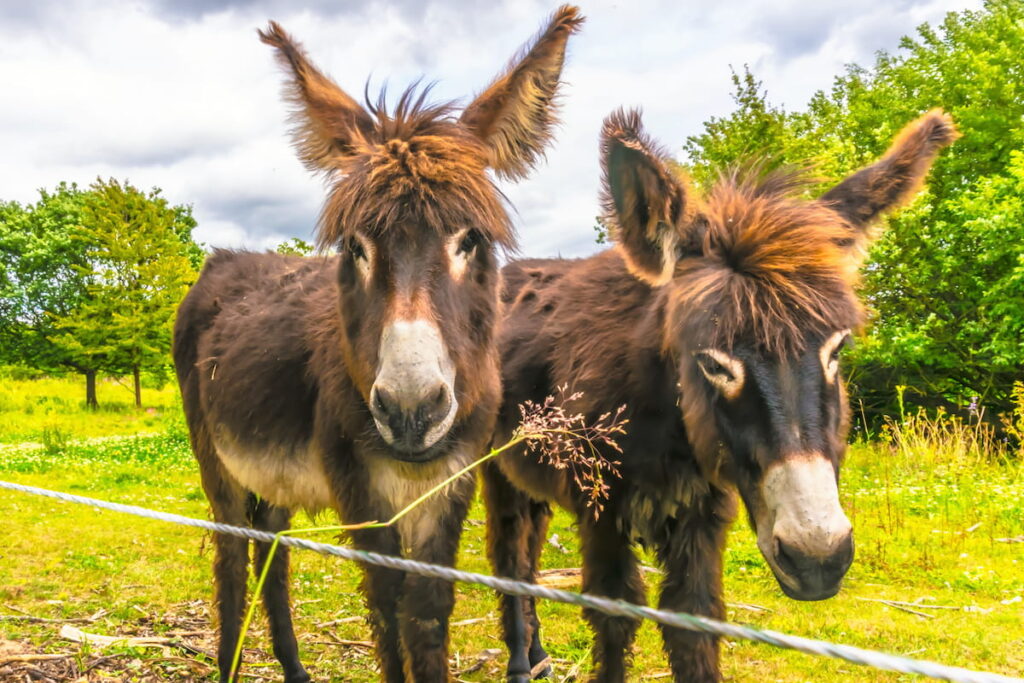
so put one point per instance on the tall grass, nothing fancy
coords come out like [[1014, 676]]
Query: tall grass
[[939, 486]]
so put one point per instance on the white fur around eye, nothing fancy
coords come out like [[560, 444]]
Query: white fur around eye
[[458, 260], [827, 354], [730, 382], [364, 265]]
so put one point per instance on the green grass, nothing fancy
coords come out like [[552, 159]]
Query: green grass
[[53, 411], [928, 515]]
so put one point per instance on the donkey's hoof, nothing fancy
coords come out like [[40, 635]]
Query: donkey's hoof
[[540, 663], [517, 678]]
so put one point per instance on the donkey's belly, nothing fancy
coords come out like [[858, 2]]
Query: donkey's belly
[[289, 476]]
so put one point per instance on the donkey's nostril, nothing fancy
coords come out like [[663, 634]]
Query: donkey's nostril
[[442, 402], [384, 403], [787, 559]]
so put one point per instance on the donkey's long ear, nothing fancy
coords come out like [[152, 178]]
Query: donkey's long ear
[[897, 176], [515, 114], [648, 207], [329, 123]]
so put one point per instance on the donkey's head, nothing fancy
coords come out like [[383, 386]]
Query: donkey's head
[[757, 289], [417, 220]]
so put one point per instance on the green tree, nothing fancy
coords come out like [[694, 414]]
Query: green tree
[[756, 131], [43, 275], [942, 278], [139, 268], [295, 247]]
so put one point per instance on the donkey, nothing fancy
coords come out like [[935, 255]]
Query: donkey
[[358, 381], [718, 321]]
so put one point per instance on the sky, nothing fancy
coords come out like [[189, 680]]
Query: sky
[[181, 95]]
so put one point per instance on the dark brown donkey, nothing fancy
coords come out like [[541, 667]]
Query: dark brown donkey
[[718, 321], [358, 381]]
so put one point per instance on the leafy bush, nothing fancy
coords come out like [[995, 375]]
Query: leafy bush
[[945, 281]]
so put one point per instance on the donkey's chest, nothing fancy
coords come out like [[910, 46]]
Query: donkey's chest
[[290, 476], [650, 505], [411, 489]]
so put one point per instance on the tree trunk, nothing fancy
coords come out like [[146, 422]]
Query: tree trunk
[[138, 386], [90, 390]]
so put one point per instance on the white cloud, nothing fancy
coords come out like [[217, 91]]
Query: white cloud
[[183, 96]]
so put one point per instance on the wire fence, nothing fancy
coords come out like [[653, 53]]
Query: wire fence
[[690, 622]]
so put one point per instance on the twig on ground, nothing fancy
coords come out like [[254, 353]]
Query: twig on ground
[[487, 655], [467, 622], [749, 606], [342, 641], [12, 659], [77, 635], [900, 606], [540, 666], [560, 578], [346, 620], [32, 619]]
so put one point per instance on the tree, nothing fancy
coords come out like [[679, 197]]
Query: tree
[[43, 275], [295, 247], [755, 131], [139, 268], [942, 279]]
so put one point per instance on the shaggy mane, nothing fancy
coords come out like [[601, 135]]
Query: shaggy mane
[[418, 167], [771, 265]]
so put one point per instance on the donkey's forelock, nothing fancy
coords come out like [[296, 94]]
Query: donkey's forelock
[[771, 268], [417, 168]]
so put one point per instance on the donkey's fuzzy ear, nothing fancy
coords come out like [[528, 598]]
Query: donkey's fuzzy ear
[[514, 116], [897, 176], [329, 123], [648, 206]]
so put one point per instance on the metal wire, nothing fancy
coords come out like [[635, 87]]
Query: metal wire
[[619, 608]]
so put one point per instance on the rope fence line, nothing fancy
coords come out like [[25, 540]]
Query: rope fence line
[[690, 622]]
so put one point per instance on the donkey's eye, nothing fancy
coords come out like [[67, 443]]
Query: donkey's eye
[[470, 241], [843, 343], [723, 371], [355, 247], [830, 352], [710, 366]]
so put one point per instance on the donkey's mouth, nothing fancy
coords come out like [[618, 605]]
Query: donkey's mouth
[[434, 451], [809, 593]]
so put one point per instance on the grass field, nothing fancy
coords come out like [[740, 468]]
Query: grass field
[[933, 518]]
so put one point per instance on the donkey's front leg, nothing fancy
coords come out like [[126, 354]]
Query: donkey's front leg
[[610, 569], [426, 603], [692, 558], [383, 590]]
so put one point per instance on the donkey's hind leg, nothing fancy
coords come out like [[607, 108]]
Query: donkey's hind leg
[[267, 517], [540, 516], [231, 563], [509, 545]]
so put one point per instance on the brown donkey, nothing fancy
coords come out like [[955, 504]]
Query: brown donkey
[[356, 382], [718, 322]]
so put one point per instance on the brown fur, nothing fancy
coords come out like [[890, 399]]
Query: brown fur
[[751, 269], [898, 175], [518, 135], [277, 356]]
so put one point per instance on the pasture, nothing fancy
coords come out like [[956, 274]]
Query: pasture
[[938, 519]]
